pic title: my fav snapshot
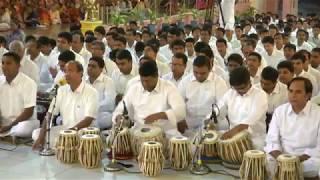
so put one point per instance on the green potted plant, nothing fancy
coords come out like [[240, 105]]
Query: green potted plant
[[117, 18], [136, 15], [195, 16]]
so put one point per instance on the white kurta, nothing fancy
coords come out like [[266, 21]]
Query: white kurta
[[164, 98], [121, 80], [296, 134], [21, 93], [275, 58]]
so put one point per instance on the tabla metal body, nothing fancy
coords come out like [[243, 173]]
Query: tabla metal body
[[146, 133], [180, 153], [90, 150], [89, 130], [42, 105], [288, 167], [122, 144], [67, 146], [231, 150], [209, 151], [151, 158], [253, 166]]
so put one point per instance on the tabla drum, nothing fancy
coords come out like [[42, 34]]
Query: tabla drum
[[90, 151], [42, 104], [151, 158], [146, 133], [180, 153], [67, 146], [209, 151], [89, 130], [231, 150], [253, 166], [121, 144], [288, 167]]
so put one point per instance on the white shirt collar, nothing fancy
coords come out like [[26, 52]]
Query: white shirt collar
[[79, 88], [15, 81], [305, 110]]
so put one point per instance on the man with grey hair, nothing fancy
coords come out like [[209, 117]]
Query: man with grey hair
[[27, 66]]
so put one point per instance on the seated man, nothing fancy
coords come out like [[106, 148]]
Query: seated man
[[276, 91], [153, 101], [76, 102], [245, 106], [295, 129], [200, 91], [17, 99], [105, 87], [178, 69], [286, 72], [127, 71]]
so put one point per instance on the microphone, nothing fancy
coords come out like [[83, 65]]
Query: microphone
[[210, 124]]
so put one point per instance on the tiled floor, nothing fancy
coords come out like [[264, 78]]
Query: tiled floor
[[24, 164]]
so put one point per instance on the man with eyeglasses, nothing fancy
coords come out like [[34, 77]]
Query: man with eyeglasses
[[245, 106], [178, 69]]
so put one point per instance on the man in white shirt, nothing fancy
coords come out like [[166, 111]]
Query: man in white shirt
[[315, 58], [127, 71], [34, 54], [295, 129], [131, 42], [271, 54], [254, 67], [302, 38], [63, 59], [309, 69], [76, 102], [173, 34], [98, 50], [153, 101], [276, 91], [77, 46], [278, 41], [298, 61], [289, 50], [246, 107], [200, 91], [178, 69], [314, 38], [190, 49], [222, 54], [151, 50], [286, 72], [106, 90], [64, 42], [27, 67], [17, 99], [179, 46]]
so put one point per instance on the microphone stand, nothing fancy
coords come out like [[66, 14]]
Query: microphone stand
[[48, 151], [198, 167], [113, 164]]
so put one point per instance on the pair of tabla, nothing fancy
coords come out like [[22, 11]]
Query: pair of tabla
[[87, 148], [254, 165]]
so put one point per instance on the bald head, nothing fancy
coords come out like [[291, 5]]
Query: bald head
[[17, 47]]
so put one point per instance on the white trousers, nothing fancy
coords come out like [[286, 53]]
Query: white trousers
[[103, 120], [54, 133], [24, 129], [310, 167]]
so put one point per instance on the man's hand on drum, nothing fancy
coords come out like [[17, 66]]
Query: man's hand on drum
[[275, 154], [154, 117], [304, 157], [182, 126], [232, 132]]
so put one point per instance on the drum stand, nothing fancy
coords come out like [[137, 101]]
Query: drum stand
[[197, 166], [113, 164], [48, 151]]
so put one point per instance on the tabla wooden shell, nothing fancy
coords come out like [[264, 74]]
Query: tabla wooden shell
[[67, 146], [253, 166], [144, 134], [122, 144], [288, 167], [90, 151], [180, 153], [151, 158], [231, 150], [210, 144], [89, 130]]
